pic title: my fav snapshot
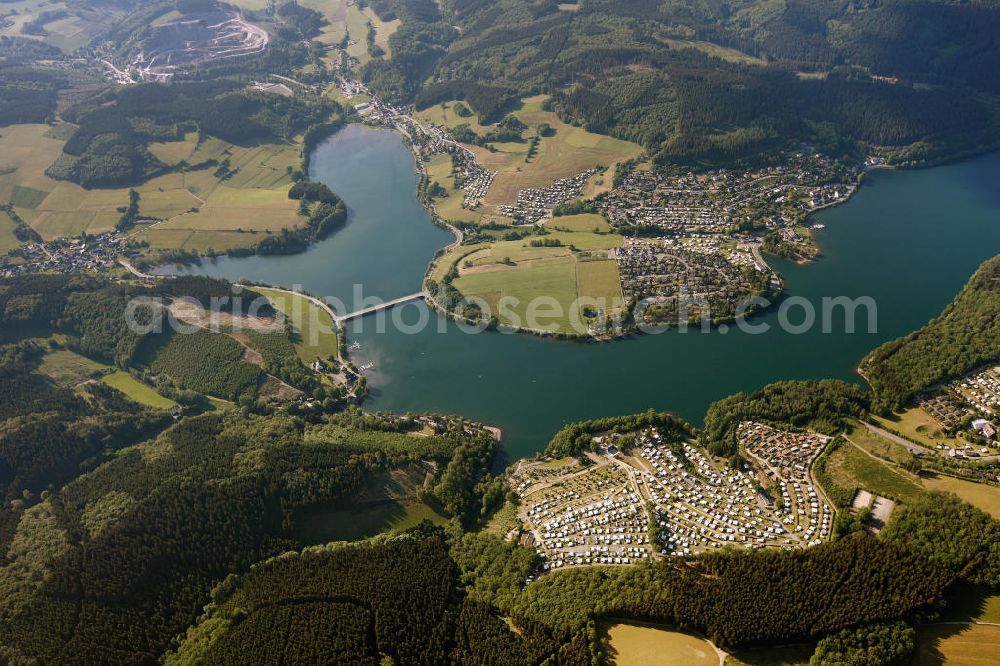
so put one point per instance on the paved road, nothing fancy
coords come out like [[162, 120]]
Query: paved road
[[136, 272], [916, 448], [902, 441]]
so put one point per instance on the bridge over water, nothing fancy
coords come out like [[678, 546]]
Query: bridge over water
[[381, 306]]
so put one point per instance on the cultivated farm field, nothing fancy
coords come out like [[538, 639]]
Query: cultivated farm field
[[444, 114], [53, 208], [576, 268], [917, 425], [584, 222], [878, 446], [136, 390], [383, 30], [570, 151], [599, 280], [197, 209], [8, 241], [549, 278], [357, 30], [68, 368], [68, 33]]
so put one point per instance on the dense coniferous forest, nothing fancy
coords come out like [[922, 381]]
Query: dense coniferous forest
[[93, 311], [114, 530], [49, 434], [90, 310], [963, 337], [395, 596], [735, 598], [26, 95], [952, 533], [746, 598], [417, 44], [163, 523], [209, 363]]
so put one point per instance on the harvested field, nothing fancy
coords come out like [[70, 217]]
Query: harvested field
[[957, 645], [985, 497], [640, 645]]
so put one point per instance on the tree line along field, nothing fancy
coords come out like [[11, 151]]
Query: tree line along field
[[449, 207], [344, 19], [632, 644], [313, 326], [197, 208], [176, 358], [383, 30], [980, 495], [568, 152], [71, 370], [789, 655], [957, 645], [576, 268]]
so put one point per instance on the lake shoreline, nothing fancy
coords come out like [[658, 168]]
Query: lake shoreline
[[530, 388]]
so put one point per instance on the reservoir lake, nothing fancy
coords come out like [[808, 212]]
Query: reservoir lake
[[907, 239]]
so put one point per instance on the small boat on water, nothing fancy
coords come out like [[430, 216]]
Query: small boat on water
[[367, 366], [354, 346]]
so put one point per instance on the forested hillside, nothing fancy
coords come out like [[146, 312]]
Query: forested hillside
[[963, 337], [748, 597], [356, 603], [91, 317], [49, 433], [26, 95], [715, 82], [118, 519], [115, 564], [823, 406]]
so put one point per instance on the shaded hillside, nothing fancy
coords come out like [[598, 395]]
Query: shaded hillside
[[718, 82], [963, 337]]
